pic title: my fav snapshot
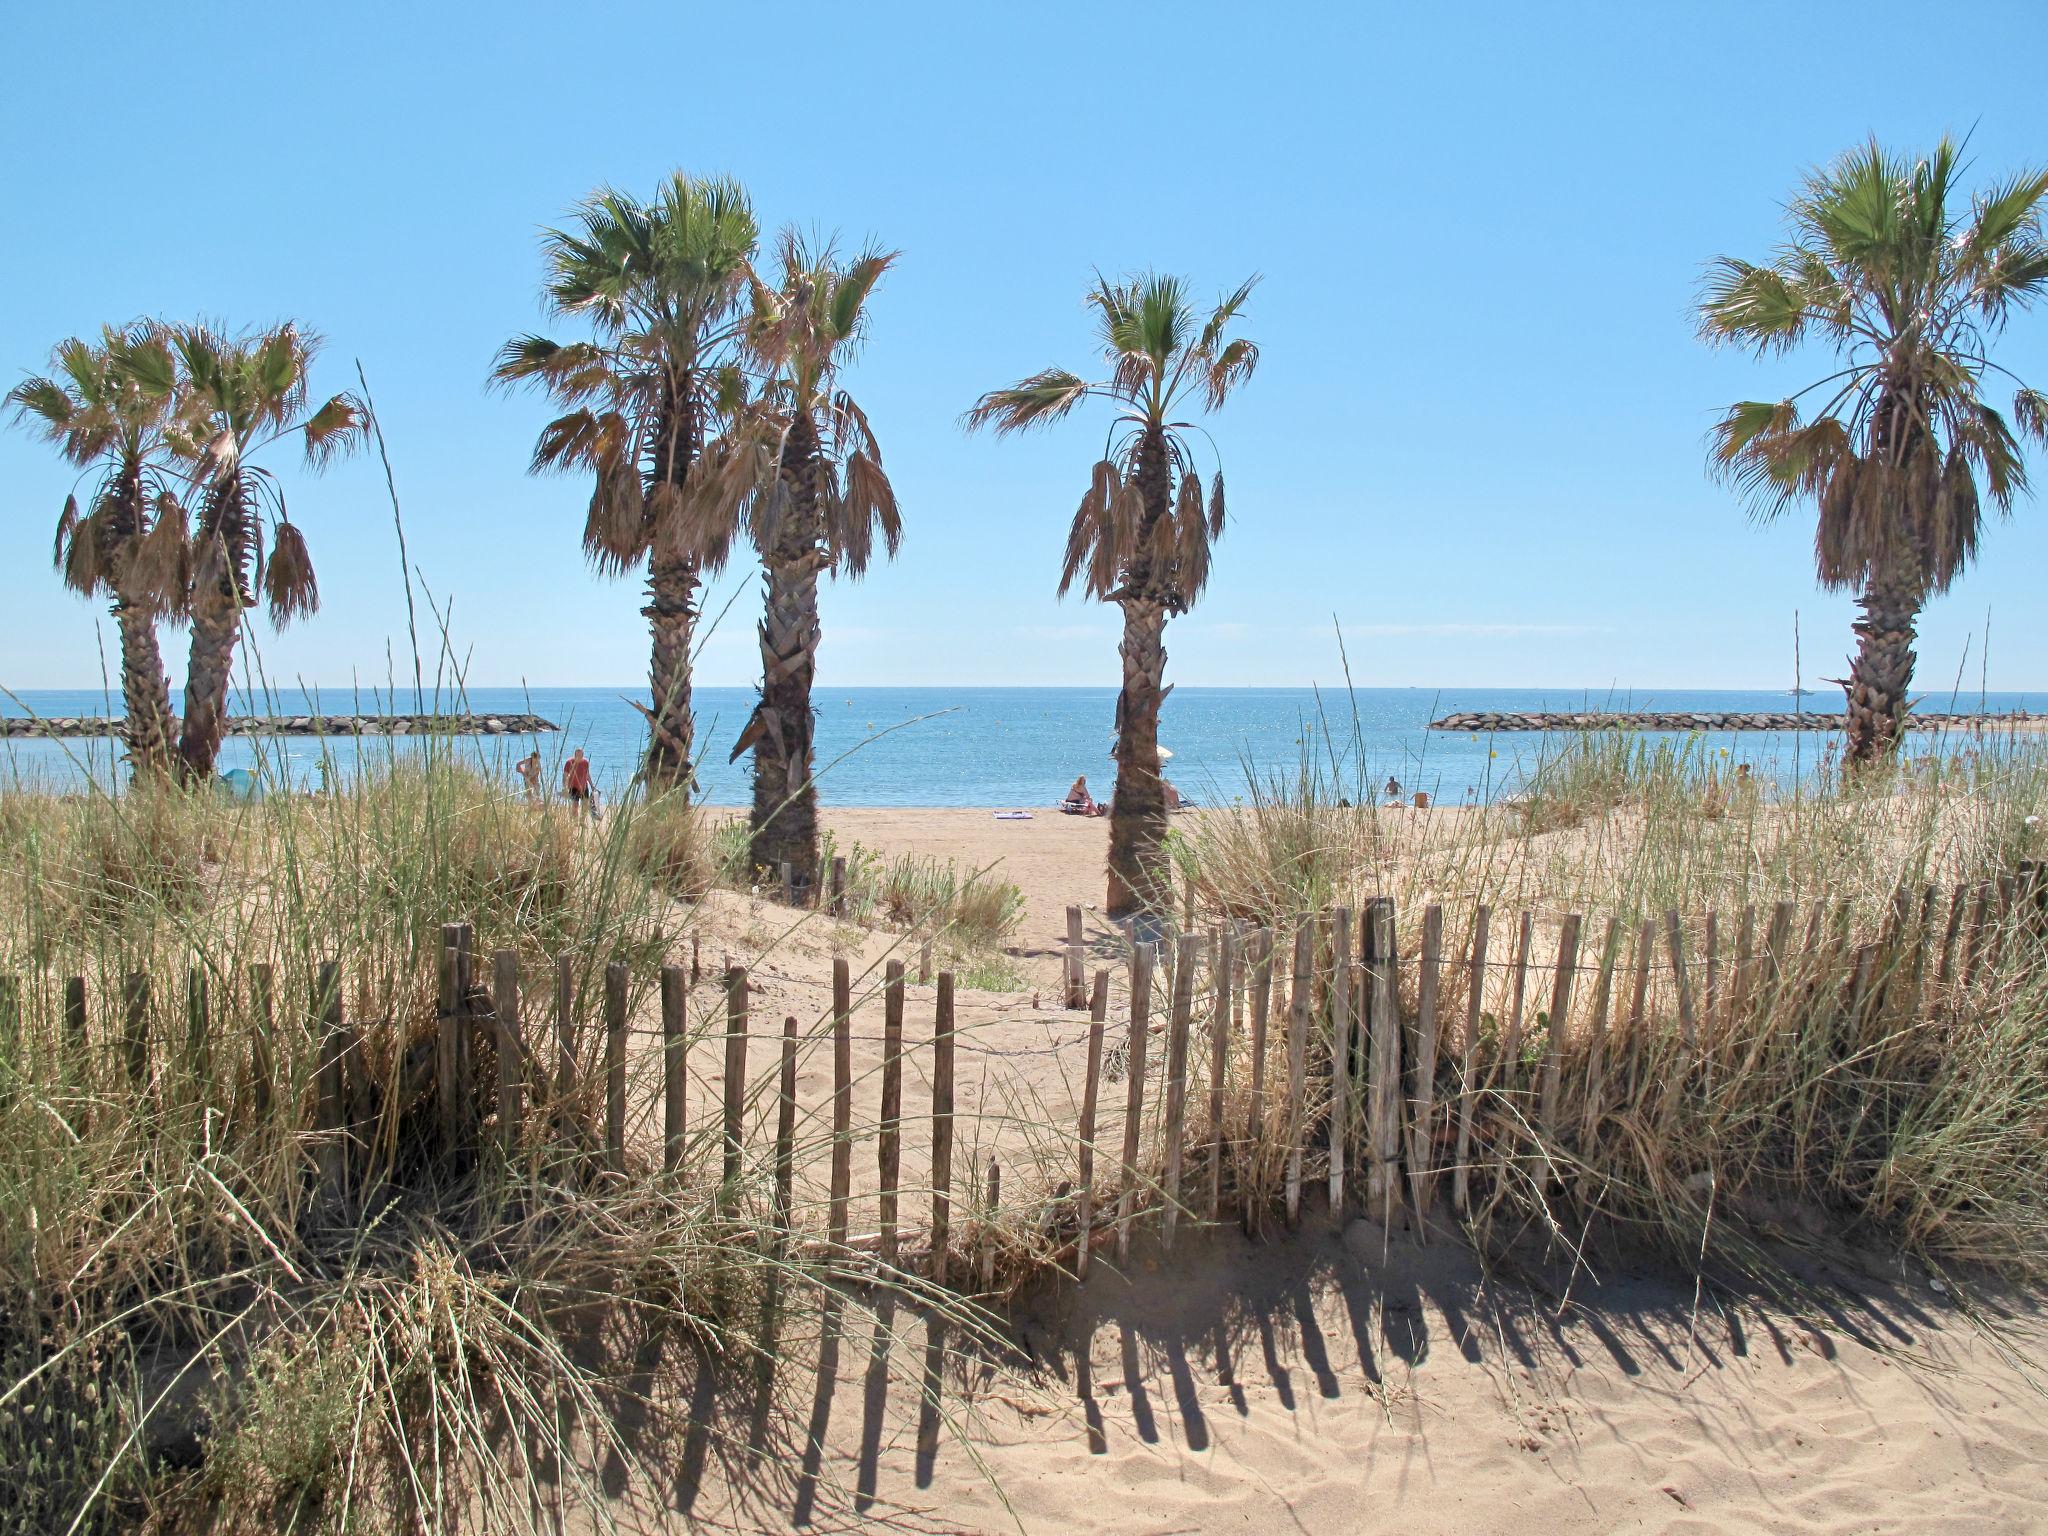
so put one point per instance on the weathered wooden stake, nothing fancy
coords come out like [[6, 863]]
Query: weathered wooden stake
[[566, 1127], [1098, 1013], [675, 1066], [1340, 1055], [1220, 1019], [448, 1085], [511, 1049], [615, 979], [942, 1127], [1511, 1040], [1948, 942], [1596, 1050], [738, 1004], [785, 1139], [1297, 1058], [1186, 951], [924, 963], [1973, 949], [1475, 1015], [842, 1099], [135, 1035], [837, 887], [1261, 1007], [1077, 980], [1688, 1022], [1560, 1019], [1710, 975], [1777, 942], [1421, 1136], [1384, 1185], [1142, 961], [889, 1143], [74, 1019], [263, 1048]]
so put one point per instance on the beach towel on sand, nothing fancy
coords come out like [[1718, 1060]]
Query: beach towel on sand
[[1013, 815]]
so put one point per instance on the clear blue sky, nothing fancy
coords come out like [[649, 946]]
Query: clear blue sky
[[1475, 439]]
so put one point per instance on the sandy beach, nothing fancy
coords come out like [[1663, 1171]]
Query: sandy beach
[[1337, 1378]]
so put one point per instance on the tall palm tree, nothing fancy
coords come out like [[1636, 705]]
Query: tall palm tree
[[1886, 268], [1142, 536], [107, 406], [659, 285], [820, 501], [243, 394]]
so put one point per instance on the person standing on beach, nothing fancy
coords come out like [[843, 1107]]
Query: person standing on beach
[[528, 769], [576, 780]]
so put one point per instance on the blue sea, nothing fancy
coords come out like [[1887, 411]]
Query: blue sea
[[1002, 747]]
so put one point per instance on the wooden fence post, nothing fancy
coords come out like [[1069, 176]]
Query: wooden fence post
[[135, 1034], [1511, 1038], [675, 1067], [837, 888], [1710, 972], [1421, 1148], [1077, 979], [1475, 1005], [785, 1137], [1098, 1014], [1948, 942], [1299, 1003], [842, 1099], [1224, 985], [1340, 1055], [942, 1127], [332, 1157], [1596, 1040], [1261, 984], [565, 1050], [924, 962], [737, 1006], [1745, 965], [511, 1049], [890, 1142], [1186, 949], [1973, 949], [1778, 941], [1142, 957], [1384, 1186], [1688, 1023], [616, 977], [1560, 1020]]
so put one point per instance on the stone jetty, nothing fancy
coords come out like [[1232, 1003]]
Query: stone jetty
[[299, 725], [1486, 722]]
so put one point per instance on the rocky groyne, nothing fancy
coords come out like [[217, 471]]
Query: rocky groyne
[[297, 725], [1486, 722]]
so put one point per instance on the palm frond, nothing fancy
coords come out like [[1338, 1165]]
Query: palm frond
[[289, 585]]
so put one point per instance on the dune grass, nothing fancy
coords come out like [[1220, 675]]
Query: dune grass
[[186, 1324]]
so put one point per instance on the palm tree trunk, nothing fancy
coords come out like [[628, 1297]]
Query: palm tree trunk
[[145, 693], [672, 617], [207, 672], [785, 813], [1137, 814], [1882, 670]]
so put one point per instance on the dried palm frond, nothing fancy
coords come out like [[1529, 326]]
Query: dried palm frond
[[288, 581]]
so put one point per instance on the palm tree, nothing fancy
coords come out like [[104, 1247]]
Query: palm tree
[[1142, 536], [820, 500], [106, 406], [1907, 288], [244, 393], [658, 283]]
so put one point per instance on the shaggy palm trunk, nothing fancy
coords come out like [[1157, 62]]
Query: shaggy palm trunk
[[672, 616], [218, 599], [1882, 670], [145, 692], [209, 668], [785, 815], [1137, 816]]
